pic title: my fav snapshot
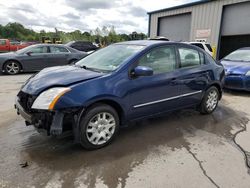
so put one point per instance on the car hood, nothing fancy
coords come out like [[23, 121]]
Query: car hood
[[236, 67], [57, 76]]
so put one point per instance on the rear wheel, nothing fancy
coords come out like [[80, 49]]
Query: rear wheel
[[12, 67], [209, 101], [98, 127]]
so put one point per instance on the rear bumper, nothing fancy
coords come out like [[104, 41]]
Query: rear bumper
[[239, 82]]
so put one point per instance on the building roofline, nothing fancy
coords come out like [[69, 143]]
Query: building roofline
[[180, 6]]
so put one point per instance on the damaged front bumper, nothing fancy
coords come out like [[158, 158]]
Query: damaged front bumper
[[54, 122]]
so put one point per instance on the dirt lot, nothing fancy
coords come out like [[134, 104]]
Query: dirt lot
[[182, 149]]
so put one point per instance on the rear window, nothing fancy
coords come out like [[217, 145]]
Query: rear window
[[209, 47], [198, 45]]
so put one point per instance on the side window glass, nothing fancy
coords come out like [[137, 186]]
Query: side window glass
[[189, 57], [2, 42], [55, 49], [161, 60], [39, 50]]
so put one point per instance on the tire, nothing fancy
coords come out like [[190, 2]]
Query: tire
[[12, 67], [98, 127], [210, 100]]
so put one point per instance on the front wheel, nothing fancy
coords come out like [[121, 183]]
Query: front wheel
[[98, 127], [209, 101], [12, 67]]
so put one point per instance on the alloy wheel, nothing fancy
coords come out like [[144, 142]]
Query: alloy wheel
[[212, 100], [100, 128], [12, 68]]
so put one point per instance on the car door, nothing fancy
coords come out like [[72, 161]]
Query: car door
[[159, 92], [194, 75], [34, 59], [58, 55]]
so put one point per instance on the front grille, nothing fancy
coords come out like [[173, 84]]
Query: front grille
[[26, 100]]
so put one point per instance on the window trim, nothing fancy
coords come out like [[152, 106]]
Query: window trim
[[136, 62]]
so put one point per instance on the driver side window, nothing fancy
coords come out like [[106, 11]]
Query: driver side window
[[39, 50], [161, 60]]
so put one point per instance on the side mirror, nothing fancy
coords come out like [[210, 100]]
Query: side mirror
[[29, 53], [142, 71]]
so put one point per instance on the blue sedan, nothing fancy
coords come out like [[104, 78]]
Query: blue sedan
[[237, 68], [121, 83]]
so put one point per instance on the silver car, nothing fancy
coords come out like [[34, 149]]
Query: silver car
[[39, 56]]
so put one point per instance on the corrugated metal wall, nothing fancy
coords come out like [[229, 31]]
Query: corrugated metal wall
[[204, 16]]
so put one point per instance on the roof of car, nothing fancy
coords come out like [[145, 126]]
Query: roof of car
[[145, 42], [49, 44]]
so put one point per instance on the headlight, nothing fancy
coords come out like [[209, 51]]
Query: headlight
[[248, 73], [47, 99]]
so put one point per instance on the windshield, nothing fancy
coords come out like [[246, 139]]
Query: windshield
[[239, 55], [109, 58]]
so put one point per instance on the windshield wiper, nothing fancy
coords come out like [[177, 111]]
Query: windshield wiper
[[92, 69]]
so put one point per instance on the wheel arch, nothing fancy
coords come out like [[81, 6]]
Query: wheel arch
[[114, 104], [218, 86]]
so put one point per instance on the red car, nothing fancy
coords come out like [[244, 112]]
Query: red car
[[6, 45]]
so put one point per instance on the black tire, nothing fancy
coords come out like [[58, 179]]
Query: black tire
[[12, 67], [89, 116], [209, 103]]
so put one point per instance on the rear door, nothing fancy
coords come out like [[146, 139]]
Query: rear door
[[194, 75], [58, 55], [159, 92]]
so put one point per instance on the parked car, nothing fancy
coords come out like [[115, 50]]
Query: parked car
[[6, 45], [237, 68], [37, 57], [205, 46], [84, 46], [118, 84]]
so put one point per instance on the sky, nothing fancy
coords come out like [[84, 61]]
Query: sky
[[84, 15]]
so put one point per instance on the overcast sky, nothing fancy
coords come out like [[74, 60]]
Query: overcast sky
[[85, 15]]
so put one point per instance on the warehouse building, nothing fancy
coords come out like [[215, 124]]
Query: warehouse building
[[225, 24]]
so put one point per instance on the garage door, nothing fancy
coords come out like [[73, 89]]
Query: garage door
[[176, 28], [235, 31]]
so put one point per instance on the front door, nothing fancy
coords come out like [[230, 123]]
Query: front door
[[157, 93], [34, 59]]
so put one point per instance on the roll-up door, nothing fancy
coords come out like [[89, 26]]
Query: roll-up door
[[175, 28], [235, 28]]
